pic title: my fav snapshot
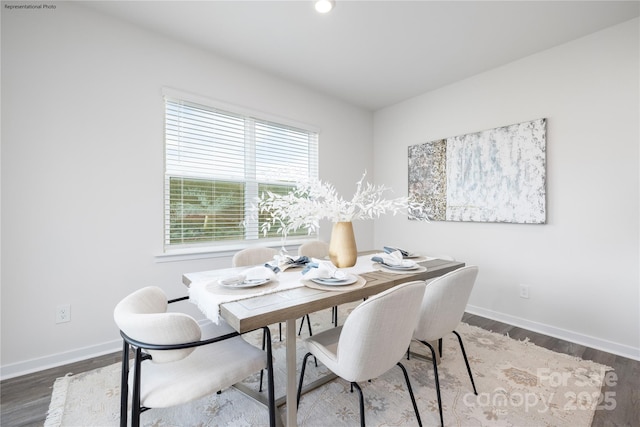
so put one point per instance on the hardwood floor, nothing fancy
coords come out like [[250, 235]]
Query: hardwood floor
[[25, 400]]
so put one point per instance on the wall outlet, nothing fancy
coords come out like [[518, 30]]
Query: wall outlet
[[63, 313], [524, 291]]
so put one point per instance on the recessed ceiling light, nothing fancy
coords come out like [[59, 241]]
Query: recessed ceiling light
[[324, 6]]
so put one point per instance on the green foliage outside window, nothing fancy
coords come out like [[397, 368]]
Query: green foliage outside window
[[203, 210], [208, 211]]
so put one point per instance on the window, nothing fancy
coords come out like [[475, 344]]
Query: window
[[218, 162]]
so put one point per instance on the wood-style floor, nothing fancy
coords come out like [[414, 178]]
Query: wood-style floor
[[25, 400]]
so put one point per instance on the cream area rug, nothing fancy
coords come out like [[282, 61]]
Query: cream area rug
[[519, 384]]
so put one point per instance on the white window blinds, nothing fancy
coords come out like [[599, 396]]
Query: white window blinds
[[218, 162]]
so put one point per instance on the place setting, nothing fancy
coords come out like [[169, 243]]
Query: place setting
[[415, 257], [397, 261], [284, 261], [260, 276], [325, 276]]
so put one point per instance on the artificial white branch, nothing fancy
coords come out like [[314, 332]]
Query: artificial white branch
[[313, 200]]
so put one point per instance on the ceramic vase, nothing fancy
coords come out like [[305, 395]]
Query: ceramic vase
[[342, 246]]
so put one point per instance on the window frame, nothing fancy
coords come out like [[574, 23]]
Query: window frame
[[208, 248]]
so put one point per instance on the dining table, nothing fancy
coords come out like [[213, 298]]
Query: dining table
[[289, 296]]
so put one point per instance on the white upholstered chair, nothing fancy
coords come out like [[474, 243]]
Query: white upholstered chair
[[315, 249], [446, 258], [443, 305], [176, 361], [372, 340], [255, 255]]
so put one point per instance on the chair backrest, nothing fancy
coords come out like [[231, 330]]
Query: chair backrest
[[143, 316], [378, 332], [253, 256], [444, 302], [316, 249]]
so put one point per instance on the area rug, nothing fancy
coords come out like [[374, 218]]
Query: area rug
[[519, 384]]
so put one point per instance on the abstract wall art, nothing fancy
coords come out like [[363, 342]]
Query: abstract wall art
[[496, 175]]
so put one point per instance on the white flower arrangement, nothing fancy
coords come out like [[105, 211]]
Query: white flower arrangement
[[313, 200]]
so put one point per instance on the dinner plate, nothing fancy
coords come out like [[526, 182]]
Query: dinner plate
[[400, 267], [251, 283], [351, 279]]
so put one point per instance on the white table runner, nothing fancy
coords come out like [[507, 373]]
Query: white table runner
[[209, 294]]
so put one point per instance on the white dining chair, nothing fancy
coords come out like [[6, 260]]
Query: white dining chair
[[443, 305], [372, 340], [177, 361], [255, 255], [314, 249], [446, 258]]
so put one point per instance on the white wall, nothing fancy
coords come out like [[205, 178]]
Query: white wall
[[582, 266], [82, 169]]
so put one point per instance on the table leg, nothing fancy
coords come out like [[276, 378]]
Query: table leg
[[292, 410]]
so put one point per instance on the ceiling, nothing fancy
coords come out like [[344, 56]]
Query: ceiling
[[373, 53]]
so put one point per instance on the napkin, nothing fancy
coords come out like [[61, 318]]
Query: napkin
[[390, 249], [289, 261], [253, 274], [282, 262], [317, 269], [393, 259]]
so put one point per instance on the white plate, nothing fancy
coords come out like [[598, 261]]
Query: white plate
[[246, 284], [400, 267], [351, 279]]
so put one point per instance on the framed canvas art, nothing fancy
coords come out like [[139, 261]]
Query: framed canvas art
[[496, 175]]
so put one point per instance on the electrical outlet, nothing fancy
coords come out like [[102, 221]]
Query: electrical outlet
[[524, 291], [63, 313]]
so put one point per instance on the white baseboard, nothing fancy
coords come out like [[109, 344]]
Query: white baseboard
[[586, 340], [59, 359], [53, 361], [34, 365]]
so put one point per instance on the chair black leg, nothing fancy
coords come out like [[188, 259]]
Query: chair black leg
[[304, 366], [309, 324], [124, 384], [413, 399], [280, 330], [264, 341], [306, 316], [354, 384], [135, 401], [435, 374], [440, 347], [271, 387], [334, 315], [464, 353]]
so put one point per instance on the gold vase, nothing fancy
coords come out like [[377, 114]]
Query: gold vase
[[342, 246]]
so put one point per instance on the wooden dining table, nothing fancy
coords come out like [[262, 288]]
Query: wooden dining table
[[249, 313]]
